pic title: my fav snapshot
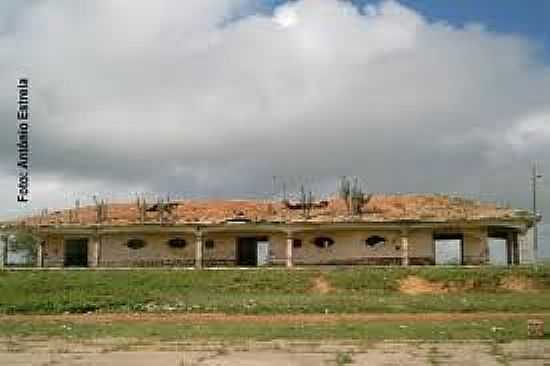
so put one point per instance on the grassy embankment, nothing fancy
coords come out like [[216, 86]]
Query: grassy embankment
[[361, 290], [270, 292]]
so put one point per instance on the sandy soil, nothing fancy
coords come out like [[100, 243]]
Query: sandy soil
[[519, 353], [414, 285], [321, 286]]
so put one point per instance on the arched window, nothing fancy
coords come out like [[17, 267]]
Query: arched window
[[136, 243], [177, 243], [375, 240], [323, 241]]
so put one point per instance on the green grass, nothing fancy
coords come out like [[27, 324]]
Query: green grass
[[343, 359], [366, 331], [365, 289], [484, 278]]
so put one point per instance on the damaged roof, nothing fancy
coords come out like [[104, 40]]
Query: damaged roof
[[379, 208]]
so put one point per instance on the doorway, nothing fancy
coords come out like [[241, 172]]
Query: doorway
[[503, 247], [252, 251], [498, 251], [76, 253], [448, 249]]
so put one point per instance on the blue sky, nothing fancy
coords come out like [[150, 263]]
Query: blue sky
[[528, 18]]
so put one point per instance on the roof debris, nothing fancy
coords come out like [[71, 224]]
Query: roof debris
[[378, 208]]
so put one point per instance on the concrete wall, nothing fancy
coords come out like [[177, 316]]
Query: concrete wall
[[349, 248], [224, 251], [54, 251], [526, 247], [156, 252], [421, 246], [475, 247]]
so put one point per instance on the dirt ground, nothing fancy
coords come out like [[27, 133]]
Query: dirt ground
[[198, 318], [107, 352], [321, 286], [414, 285], [16, 351]]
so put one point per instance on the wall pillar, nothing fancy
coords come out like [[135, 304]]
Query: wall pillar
[[3, 250], [198, 249], [405, 247], [289, 247], [486, 254], [96, 244], [510, 248], [514, 248], [40, 253]]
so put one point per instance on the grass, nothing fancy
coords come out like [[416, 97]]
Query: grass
[[483, 278], [343, 359], [499, 330], [365, 289]]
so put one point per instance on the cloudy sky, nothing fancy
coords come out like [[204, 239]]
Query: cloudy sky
[[215, 97]]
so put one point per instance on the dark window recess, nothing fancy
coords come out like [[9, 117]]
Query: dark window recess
[[444, 236], [177, 243], [209, 244], [323, 242], [375, 240], [76, 253], [296, 243], [247, 251], [135, 243]]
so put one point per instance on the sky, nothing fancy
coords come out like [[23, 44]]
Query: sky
[[210, 98]]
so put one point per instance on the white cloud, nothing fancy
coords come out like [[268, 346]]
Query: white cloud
[[184, 96], [532, 130]]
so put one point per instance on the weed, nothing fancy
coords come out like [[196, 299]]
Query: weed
[[343, 358]]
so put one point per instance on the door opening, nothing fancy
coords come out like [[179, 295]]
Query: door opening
[[263, 253], [498, 251], [252, 251], [76, 253], [503, 247], [448, 249]]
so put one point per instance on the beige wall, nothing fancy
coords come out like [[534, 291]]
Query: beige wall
[[349, 247], [224, 251], [54, 251], [157, 252], [421, 247], [475, 246]]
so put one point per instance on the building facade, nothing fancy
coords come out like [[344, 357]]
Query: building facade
[[386, 230]]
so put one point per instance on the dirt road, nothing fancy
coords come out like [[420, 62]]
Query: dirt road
[[518, 353], [278, 318]]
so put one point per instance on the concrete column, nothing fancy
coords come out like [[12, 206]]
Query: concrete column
[[3, 250], [510, 248], [405, 247], [198, 249], [485, 240], [525, 248], [40, 253], [289, 243], [96, 242]]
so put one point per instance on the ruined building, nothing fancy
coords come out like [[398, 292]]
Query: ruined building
[[381, 230]]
